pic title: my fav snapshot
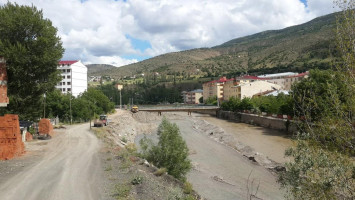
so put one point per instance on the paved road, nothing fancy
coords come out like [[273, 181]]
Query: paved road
[[70, 169], [221, 172]]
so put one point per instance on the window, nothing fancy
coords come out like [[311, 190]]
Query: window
[[63, 89], [68, 83], [68, 70], [68, 76], [63, 83], [69, 89], [63, 77]]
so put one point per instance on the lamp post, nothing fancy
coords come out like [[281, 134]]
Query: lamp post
[[119, 88]]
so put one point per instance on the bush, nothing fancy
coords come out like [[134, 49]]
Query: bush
[[187, 188], [137, 180], [171, 152]]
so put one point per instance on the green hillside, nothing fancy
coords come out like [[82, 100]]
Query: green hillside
[[294, 48], [93, 68]]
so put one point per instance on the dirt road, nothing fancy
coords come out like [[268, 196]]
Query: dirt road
[[69, 169]]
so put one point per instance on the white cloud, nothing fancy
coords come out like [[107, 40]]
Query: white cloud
[[321, 7], [95, 31]]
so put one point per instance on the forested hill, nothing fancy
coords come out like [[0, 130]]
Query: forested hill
[[294, 48], [93, 68]]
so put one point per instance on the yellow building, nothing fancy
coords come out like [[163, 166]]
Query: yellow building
[[214, 88], [248, 90]]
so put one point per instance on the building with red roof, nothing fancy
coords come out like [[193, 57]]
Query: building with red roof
[[74, 77]]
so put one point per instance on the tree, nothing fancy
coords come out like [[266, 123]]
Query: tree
[[171, 151], [323, 167], [32, 49]]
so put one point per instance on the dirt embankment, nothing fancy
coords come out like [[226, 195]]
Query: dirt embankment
[[127, 176]]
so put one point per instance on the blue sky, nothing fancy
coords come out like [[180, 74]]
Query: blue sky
[[120, 32], [304, 2]]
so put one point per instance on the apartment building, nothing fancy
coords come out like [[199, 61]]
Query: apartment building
[[248, 90], [230, 85], [74, 77], [193, 96], [214, 88], [285, 79]]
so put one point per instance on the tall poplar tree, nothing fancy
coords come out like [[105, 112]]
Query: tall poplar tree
[[32, 49]]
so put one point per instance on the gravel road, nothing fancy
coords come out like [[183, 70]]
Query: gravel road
[[69, 169]]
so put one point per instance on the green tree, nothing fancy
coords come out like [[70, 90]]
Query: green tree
[[102, 103], [171, 152], [32, 49], [323, 166]]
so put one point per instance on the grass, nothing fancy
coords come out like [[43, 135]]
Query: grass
[[187, 188], [160, 171], [121, 191], [108, 168]]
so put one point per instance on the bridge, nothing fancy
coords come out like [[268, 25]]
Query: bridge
[[188, 109]]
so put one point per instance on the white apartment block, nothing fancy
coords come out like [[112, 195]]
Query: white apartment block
[[74, 77]]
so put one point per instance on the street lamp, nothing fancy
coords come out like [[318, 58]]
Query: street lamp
[[119, 88]]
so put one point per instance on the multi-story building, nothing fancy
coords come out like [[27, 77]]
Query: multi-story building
[[74, 77], [214, 88], [285, 79], [248, 90], [192, 97], [229, 87]]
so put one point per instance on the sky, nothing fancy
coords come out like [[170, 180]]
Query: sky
[[120, 32]]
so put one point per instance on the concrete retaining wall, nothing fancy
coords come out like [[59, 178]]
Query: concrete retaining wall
[[264, 121]]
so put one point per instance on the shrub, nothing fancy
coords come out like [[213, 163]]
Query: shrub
[[137, 180], [187, 188], [171, 152]]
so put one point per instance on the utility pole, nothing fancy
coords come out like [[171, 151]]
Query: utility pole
[[120, 101], [71, 116], [44, 105]]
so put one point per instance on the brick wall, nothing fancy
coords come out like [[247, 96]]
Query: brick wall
[[4, 100], [11, 144], [45, 127]]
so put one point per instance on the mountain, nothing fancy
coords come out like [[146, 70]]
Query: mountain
[[299, 47], [94, 68]]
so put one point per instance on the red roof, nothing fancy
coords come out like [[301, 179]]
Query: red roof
[[67, 62], [220, 80], [299, 75]]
